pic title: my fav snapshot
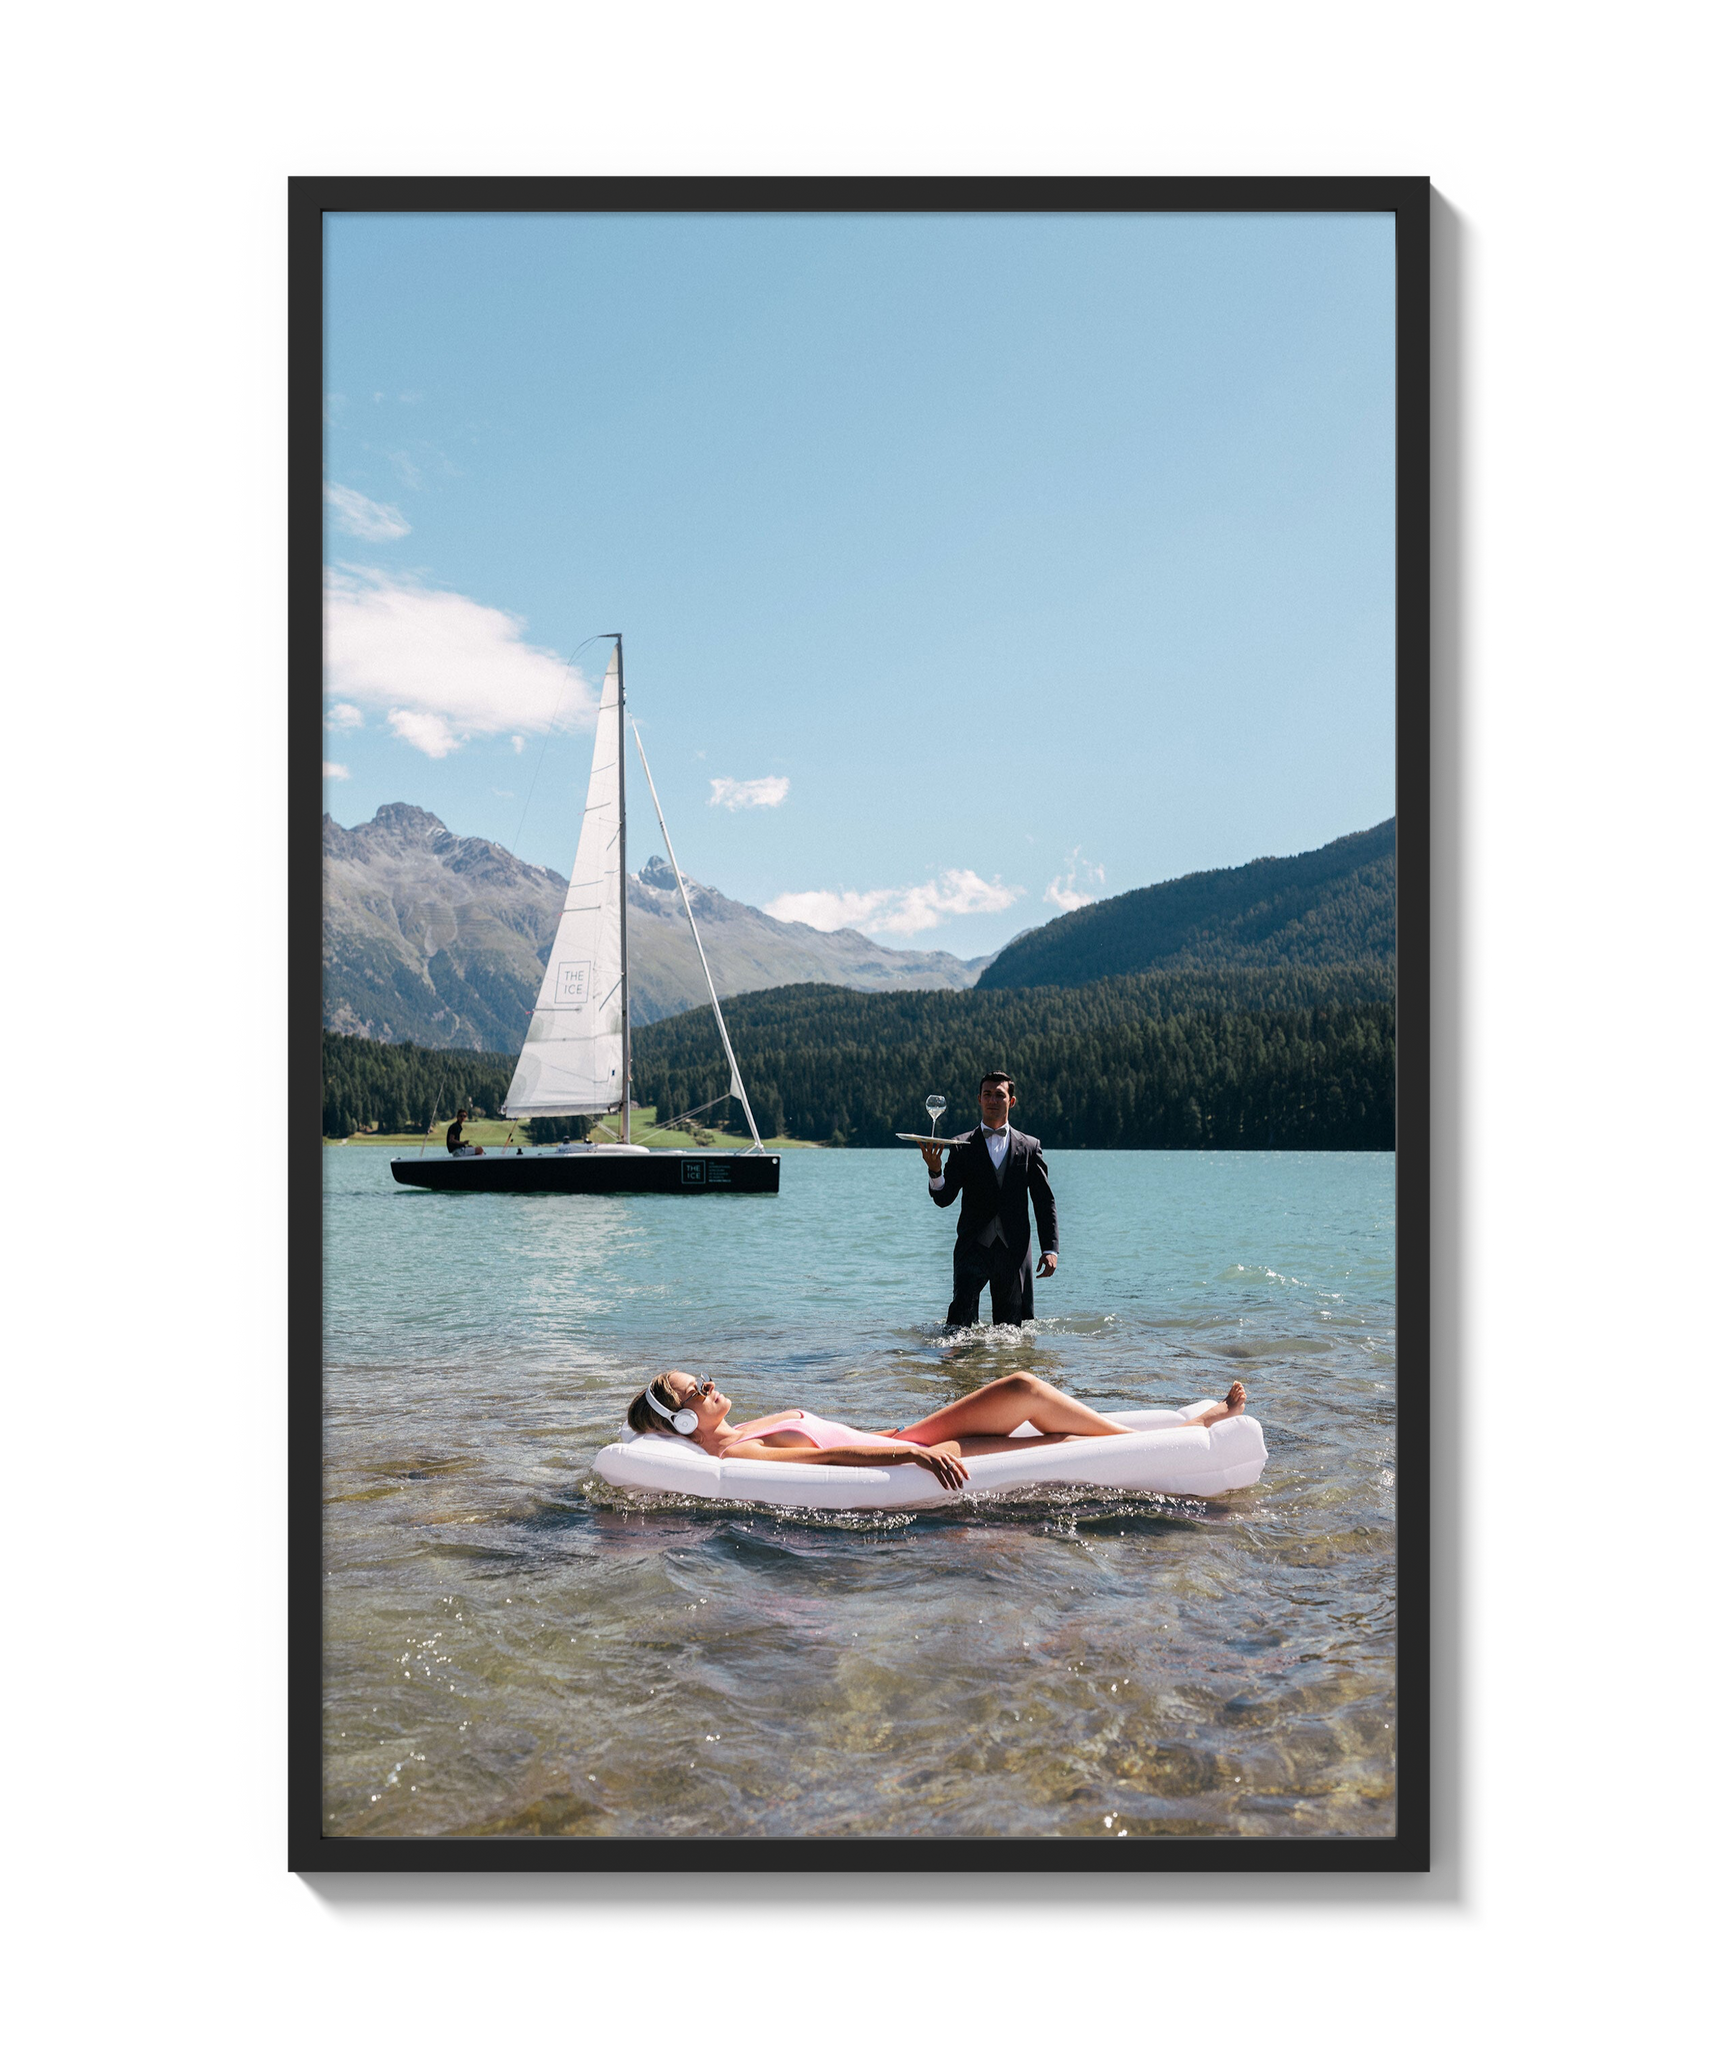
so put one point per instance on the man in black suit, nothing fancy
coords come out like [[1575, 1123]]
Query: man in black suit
[[993, 1173]]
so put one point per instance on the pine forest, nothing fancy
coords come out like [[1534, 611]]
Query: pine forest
[[1283, 1058]]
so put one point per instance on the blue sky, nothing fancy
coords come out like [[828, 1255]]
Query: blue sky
[[969, 567]]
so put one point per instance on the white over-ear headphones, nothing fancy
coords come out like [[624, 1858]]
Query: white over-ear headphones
[[684, 1421]]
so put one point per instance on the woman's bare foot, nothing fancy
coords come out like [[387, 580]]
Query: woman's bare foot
[[1233, 1403]]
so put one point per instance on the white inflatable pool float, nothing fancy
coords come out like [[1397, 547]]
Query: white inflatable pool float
[[1155, 1457]]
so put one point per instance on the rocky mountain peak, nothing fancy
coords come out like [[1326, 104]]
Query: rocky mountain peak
[[407, 822], [442, 939]]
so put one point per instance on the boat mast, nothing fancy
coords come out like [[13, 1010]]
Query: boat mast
[[625, 987]]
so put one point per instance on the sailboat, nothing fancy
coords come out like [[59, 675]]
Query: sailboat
[[577, 1055]]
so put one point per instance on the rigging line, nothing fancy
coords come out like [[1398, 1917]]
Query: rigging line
[[431, 1131], [735, 1084], [548, 734], [686, 1116]]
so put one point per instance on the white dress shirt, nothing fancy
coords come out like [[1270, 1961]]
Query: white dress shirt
[[995, 1143]]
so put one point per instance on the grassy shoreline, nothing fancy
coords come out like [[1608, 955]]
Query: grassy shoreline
[[491, 1134]]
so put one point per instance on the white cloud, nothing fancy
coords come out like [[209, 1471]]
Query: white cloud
[[443, 668], [415, 461], [428, 731], [343, 718], [1065, 891], [333, 772], [518, 743], [362, 517], [956, 892], [1065, 896], [762, 795]]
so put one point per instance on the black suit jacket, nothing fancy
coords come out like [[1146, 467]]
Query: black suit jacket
[[968, 1173]]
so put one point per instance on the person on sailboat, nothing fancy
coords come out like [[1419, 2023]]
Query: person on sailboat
[[977, 1425], [456, 1139], [994, 1172]]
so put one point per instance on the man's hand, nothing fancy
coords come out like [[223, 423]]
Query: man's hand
[[1046, 1264], [932, 1155]]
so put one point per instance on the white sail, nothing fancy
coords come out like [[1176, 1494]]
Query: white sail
[[572, 1062]]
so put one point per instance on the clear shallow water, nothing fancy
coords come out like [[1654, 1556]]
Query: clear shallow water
[[512, 1647]]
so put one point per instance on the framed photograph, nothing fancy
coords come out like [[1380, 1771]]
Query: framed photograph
[[862, 1302]]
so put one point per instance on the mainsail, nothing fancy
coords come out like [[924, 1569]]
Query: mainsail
[[574, 1058]]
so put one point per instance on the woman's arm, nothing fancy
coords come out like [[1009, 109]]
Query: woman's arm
[[940, 1460]]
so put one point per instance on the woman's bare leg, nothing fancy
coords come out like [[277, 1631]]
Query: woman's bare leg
[[999, 1409], [988, 1446], [1233, 1402]]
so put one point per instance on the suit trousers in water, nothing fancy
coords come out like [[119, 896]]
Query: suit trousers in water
[[1008, 1275]]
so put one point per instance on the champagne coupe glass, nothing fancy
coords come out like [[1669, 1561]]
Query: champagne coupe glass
[[936, 1104]]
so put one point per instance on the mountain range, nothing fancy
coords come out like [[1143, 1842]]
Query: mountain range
[[441, 939], [1335, 904]]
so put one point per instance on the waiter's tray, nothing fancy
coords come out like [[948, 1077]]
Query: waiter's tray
[[917, 1138]]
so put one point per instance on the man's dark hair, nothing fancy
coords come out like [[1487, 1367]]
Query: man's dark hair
[[996, 1074]]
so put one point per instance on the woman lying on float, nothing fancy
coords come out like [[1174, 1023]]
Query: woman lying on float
[[977, 1425]]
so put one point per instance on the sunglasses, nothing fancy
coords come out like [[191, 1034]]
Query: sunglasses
[[700, 1390]]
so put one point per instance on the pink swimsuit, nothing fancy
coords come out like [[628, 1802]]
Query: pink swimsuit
[[827, 1436]]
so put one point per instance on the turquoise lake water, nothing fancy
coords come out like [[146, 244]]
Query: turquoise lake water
[[512, 1647]]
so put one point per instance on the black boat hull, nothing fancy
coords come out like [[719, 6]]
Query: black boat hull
[[596, 1171]]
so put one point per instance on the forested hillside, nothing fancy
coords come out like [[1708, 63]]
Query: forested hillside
[[1286, 1058], [400, 1087], [1335, 904], [1267, 1058]]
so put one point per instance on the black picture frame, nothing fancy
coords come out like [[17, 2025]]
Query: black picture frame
[[308, 197]]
